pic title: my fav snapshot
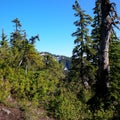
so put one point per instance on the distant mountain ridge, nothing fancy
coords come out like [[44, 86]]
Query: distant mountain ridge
[[60, 58]]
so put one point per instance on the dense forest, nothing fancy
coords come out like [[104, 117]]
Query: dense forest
[[38, 84]]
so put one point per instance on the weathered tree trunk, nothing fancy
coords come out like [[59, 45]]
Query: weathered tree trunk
[[102, 85], [104, 67]]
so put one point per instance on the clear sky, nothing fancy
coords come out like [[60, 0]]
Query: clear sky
[[51, 19]]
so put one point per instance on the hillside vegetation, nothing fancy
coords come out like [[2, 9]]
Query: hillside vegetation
[[42, 86]]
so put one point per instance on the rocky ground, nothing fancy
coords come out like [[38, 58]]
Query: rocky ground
[[8, 113], [10, 110]]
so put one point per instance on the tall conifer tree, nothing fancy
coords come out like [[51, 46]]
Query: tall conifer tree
[[107, 19], [96, 32], [82, 69]]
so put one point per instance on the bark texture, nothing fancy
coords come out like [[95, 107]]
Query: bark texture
[[104, 67]]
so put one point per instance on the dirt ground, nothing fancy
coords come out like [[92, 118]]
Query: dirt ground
[[8, 113]]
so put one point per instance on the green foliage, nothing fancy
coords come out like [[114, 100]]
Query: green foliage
[[25, 75], [4, 90], [82, 68], [68, 108], [103, 115], [95, 34], [115, 75], [65, 106], [38, 81]]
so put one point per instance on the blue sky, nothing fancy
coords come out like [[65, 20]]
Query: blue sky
[[51, 19]]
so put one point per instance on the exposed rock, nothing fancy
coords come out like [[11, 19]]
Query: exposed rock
[[8, 113]]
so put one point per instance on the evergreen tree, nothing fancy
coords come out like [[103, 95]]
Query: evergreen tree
[[4, 48], [18, 35], [17, 43], [115, 75], [23, 49], [5, 58], [96, 32], [108, 18], [81, 68], [4, 41], [17, 24]]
